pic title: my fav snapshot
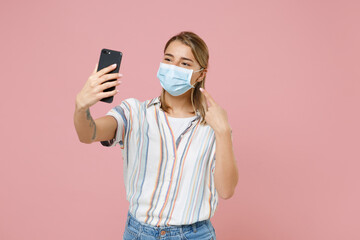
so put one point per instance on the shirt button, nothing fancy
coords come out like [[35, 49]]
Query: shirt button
[[163, 232]]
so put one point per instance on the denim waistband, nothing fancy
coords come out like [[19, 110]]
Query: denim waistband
[[157, 231]]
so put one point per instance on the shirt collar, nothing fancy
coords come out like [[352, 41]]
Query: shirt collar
[[153, 102], [156, 101]]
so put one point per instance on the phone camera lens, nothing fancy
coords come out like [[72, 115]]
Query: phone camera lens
[[106, 52]]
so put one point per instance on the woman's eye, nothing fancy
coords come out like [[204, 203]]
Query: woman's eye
[[186, 64], [167, 59]]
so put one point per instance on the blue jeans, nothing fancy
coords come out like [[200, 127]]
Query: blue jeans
[[202, 230]]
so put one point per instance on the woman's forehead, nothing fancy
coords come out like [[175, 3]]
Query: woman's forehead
[[179, 50]]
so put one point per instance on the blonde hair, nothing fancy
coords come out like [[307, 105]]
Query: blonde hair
[[201, 54]]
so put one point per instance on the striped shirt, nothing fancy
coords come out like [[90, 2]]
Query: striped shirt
[[168, 180]]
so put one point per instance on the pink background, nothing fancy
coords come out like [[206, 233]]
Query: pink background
[[287, 72]]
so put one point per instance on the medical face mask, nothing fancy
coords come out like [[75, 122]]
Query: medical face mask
[[175, 80]]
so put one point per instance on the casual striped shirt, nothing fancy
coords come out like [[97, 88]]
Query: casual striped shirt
[[168, 180]]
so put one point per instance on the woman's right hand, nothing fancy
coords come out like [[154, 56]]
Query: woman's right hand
[[93, 89]]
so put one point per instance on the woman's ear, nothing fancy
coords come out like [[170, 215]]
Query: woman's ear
[[202, 75]]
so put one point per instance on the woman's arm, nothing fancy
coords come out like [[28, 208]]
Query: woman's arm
[[89, 131], [226, 172]]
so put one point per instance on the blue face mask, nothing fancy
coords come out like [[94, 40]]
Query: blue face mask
[[175, 80]]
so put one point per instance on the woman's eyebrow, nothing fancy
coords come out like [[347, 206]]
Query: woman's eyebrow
[[188, 59], [184, 58]]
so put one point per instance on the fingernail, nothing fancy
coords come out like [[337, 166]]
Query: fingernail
[[120, 75], [119, 81], [114, 65], [201, 89]]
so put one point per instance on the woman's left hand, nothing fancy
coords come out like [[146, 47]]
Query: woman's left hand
[[215, 115]]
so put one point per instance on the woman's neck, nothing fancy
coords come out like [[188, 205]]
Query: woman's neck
[[180, 106]]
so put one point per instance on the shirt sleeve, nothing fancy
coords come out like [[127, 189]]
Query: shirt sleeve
[[122, 114]]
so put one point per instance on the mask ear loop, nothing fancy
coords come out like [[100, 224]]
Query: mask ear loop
[[199, 70]]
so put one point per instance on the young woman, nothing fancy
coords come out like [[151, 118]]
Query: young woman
[[168, 145]]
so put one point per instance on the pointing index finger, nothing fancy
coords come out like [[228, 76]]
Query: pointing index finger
[[207, 96]]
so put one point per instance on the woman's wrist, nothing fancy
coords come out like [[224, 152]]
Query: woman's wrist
[[226, 130], [79, 107]]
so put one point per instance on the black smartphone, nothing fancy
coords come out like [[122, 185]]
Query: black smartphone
[[107, 58]]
